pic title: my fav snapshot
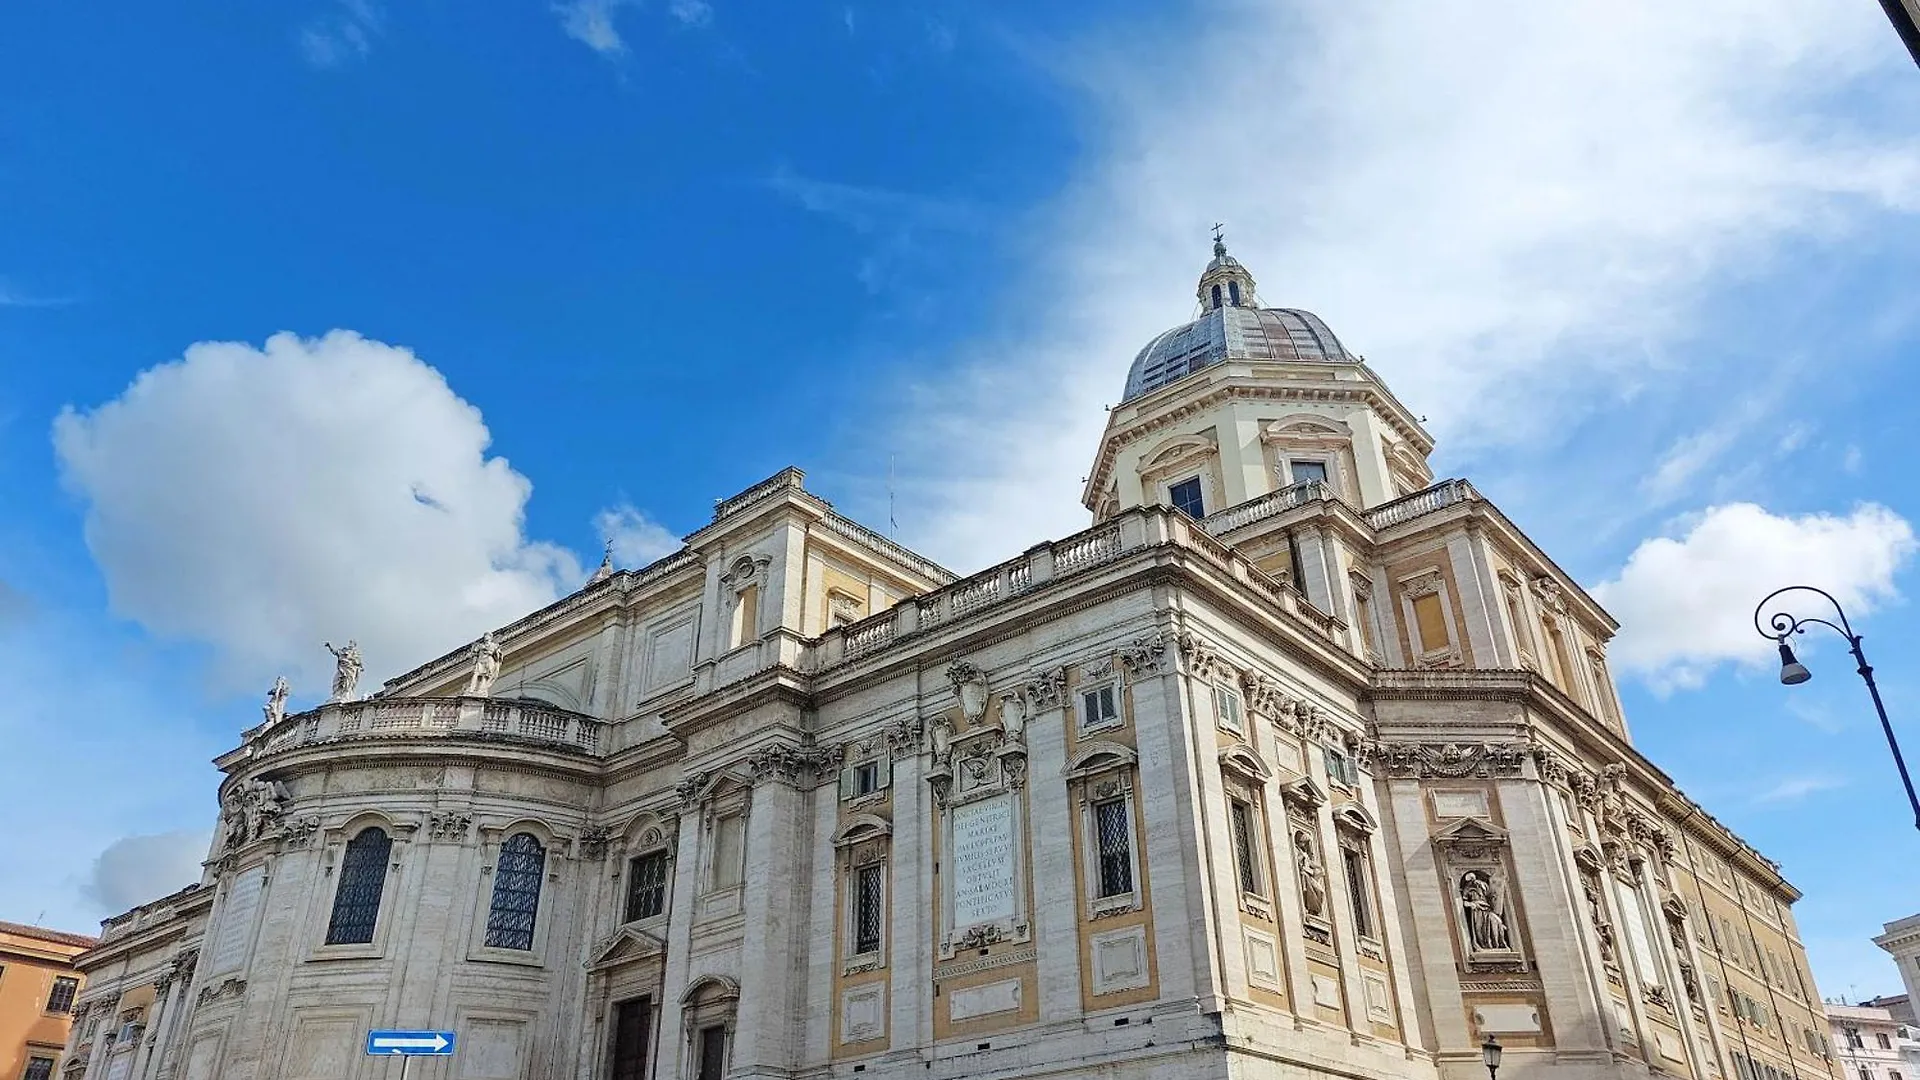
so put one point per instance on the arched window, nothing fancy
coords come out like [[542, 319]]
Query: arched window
[[1216, 296], [516, 893], [363, 877], [1233, 291]]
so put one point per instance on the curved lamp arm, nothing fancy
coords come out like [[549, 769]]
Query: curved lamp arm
[[1784, 623]]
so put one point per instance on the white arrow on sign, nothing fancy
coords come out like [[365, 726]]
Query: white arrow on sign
[[399, 1043]]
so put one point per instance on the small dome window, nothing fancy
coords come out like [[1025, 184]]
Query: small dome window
[[1233, 290], [1216, 296]]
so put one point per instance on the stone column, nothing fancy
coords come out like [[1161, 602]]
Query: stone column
[[1430, 911], [97, 1057], [1056, 915], [1475, 599], [163, 986], [166, 1020], [910, 935], [775, 907], [685, 883], [1173, 865], [1546, 892]]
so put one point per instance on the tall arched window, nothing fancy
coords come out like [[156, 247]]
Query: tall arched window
[[1233, 291], [1216, 296], [516, 893], [363, 877]]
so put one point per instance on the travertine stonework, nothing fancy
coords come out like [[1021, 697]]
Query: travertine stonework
[[1325, 774]]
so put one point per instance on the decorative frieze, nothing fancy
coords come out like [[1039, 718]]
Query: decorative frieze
[[299, 832], [1143, 656], [1450, 761], [594, 842], [1202, 659], [448, 825]]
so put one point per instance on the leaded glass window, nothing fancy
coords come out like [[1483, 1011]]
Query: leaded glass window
[[39, 1068], [646, 885], [363, 877], [869, 907], [516, 893], [1358, 892], [1244, 849], [1116, 840], [1187, 498]]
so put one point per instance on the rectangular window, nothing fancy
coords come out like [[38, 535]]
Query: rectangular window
[[1340, 768], [1098, 708], [41, 1068], [1304, 471], [1358, 891], [1246, 851], [713, 1053], [646, 885], [1115, 837], [1882, 1037], [632, 1030], [60, 1000], [1430, 619], [1186, 498], [869, 910], [866, 778], [729, 849], [1866, 1073], [1226, 706]]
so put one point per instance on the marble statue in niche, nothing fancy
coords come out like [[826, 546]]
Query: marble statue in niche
[[1483, 907], [347, 666], [1313, 877]]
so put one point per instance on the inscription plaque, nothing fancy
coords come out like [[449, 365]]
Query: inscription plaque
[[982, 862]]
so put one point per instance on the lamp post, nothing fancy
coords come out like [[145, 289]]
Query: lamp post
[[1490, 1053], [1793, 672]]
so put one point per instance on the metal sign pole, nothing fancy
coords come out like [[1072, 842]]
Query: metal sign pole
[[405, 1060]]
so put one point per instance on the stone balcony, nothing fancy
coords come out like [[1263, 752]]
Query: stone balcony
[[435, 717]]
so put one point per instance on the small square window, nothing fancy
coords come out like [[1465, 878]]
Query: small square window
[[646, 885], [1304, 471], [1098, 708], [1227, 708], [866, 778], [1187, 499], [41, 1068], [1340, 768]]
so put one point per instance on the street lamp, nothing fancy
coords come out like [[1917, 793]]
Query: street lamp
[[1490, 1053], [1793, 672]]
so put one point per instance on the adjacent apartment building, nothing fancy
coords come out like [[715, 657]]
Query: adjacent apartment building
[[1295, 762], [38, 987]]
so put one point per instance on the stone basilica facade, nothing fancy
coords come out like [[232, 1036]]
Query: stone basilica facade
[[1296, 762]]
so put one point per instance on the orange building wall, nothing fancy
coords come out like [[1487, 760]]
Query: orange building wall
[[30, 960]]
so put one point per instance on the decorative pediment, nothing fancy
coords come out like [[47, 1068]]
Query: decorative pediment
[[1098, 757], [1304, 795], [1176, 450], [860, 828], [1471, 838], [1307, 428], [626, 946], [1356, 818], [711, 989], [1239, 759]]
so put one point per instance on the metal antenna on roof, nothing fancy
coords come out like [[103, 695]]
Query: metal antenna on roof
[[891, 522]]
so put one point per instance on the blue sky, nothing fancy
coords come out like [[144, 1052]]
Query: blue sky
[[554, 274]]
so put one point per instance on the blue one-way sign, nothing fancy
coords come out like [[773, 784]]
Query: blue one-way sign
[[409, 1042]]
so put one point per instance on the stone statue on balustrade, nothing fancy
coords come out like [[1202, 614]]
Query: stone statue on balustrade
[[276, 706], [486, 666], [347, 666]]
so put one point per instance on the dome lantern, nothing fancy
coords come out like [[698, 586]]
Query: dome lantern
[[1224, 283]]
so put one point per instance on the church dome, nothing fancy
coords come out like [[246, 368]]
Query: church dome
[[1232, 327]]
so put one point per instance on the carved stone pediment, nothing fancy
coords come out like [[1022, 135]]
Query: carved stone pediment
[[1471, 838], [1303, 796], [626, 946]]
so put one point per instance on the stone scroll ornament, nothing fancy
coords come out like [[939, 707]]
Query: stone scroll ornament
[[347, 666]]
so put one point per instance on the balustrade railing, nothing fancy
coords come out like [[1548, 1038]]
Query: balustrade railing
[[1425, 501], [434, 718], [1274, 502]]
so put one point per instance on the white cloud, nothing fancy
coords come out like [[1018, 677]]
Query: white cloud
[[1685, 604], [1513, 207], [343, 36], [691, 12], [136, 869], [1795, 788], [590, 22], [264, 500], [634, 538]]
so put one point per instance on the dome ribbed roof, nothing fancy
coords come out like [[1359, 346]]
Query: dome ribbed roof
[[1232, 333]]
